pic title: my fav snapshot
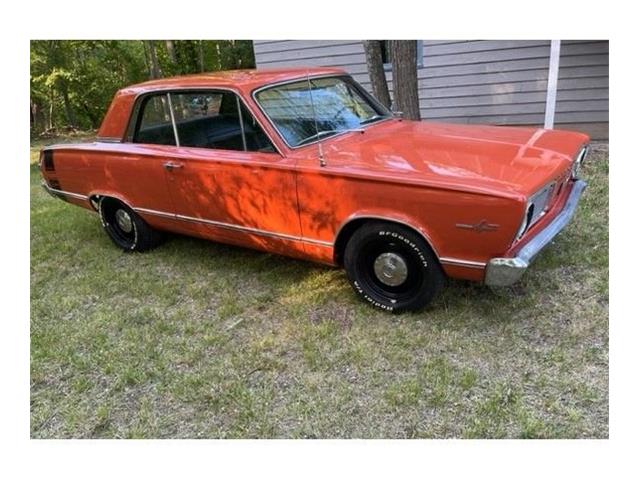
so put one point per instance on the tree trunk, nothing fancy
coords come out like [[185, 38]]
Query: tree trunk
[[219, 54], [51, 100], [171, 51], [68, 108], [375, 66], [147, 63], [154, 66], [201, 55], [95, 122], [33, 111], [405, 77]]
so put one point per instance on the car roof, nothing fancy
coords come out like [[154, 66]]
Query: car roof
[[242, 79]]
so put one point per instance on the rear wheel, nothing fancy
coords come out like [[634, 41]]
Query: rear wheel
[[125, 227], [392, 267]]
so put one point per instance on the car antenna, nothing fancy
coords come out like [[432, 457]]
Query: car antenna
[[323, 163]]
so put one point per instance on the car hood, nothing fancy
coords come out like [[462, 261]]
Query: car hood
[[488, 159]]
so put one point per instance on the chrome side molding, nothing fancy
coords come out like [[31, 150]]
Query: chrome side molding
[[457, 262], [57, 193], [232, 226]]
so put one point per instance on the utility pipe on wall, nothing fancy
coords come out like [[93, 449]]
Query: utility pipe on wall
[[552, 85]]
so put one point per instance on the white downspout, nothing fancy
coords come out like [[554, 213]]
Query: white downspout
[[552, 84]]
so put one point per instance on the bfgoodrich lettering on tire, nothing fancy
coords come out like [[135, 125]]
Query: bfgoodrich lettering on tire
[[392, 267]]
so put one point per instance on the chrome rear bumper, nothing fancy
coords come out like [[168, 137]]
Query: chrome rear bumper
[[502, 272]]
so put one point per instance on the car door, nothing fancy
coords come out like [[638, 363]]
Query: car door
[[136, 169], [230, 179]]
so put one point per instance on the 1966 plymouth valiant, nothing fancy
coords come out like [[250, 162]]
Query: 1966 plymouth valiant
[[305, 163]]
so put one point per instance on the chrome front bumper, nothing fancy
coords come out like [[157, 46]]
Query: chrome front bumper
[[502, 272]]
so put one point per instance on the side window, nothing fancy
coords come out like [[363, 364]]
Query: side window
[[207, 120], [154, 123], [257, 140]]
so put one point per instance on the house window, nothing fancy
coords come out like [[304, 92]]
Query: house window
[[385, 46]]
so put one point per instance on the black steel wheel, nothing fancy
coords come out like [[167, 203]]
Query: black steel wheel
[[392, 267]]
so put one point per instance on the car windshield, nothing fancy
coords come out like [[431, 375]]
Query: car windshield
[[332, 105]]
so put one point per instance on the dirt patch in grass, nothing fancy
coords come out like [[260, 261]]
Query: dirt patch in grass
[[197, 339]]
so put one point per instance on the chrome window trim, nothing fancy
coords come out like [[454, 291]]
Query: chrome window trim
[[173, 120], [361, 89], [231, 226], [108, 139], [244, 139], [135, 111]]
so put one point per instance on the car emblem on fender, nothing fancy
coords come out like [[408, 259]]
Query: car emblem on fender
[[482, 226]]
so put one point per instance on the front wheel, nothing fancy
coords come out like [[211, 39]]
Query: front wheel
[[392, 267]]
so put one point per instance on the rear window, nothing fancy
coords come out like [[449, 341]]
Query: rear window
[[154, 125]]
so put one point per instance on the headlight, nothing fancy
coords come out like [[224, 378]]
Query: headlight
[[540, 201], [536, 207], [575, 169], [526, 221]]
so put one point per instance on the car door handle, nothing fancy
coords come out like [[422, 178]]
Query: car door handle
[[172, 165]]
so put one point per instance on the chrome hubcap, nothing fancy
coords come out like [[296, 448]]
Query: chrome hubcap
[[124, 221], [391, 269]]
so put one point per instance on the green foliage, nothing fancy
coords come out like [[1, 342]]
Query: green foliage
[[73, 81]]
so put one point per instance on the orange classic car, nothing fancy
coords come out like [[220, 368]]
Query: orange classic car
[[306, 163]]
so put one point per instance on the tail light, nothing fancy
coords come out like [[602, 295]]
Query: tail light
[[47, 160]]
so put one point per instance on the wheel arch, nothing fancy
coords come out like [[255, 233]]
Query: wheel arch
[[349, 226], [95, 197]]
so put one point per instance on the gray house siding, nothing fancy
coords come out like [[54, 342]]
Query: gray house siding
[[583, 87], [498, 82]]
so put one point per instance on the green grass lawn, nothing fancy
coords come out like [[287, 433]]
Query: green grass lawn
[[198, 339]]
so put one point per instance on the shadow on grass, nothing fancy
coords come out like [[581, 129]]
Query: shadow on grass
[[461, 303]]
